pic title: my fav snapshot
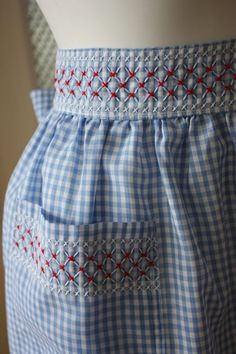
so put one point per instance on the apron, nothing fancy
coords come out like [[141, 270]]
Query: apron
[[119, 225]]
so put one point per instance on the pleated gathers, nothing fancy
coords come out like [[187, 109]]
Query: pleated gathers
[[119, 223]]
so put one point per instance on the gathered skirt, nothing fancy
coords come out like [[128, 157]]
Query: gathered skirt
[[119, 223]]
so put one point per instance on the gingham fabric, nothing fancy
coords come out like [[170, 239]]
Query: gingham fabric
[[119, 224], [43, 43], [42, 100]]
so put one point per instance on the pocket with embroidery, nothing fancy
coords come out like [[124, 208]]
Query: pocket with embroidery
[[87, 259]]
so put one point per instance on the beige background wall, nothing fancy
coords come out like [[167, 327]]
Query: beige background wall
[[17, 119]]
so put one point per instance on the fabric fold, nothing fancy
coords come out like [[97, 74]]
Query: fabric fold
[[42, 101]]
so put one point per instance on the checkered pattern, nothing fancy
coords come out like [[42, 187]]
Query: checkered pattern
[[82, 265], [43, 44], [42, 102], [84, 179], [146, 83]]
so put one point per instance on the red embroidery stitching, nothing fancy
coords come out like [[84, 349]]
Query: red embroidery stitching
[[91, 268], [123, 84], [60, 85], [178, 82]]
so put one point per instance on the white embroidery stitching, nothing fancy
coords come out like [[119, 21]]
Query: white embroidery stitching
[[174, 82], [87, 267]]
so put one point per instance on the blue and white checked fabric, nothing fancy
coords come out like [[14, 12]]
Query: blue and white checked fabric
[[42, 100], [119, 223]]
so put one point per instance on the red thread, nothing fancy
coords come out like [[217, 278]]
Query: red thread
[[151, 263], [71, 259], [90, 279], [104, 84], [150, 74], [131, 74], [90, 258], [170, 72], [190, 91], [209, 89], [228, 87], [71, 277], [143, 254], [122, 85], [190, 70], [219, 78], [170, 92], [200, 80], [141, 84], [180, 82], [127, 254], [112, 73], [62, 267]]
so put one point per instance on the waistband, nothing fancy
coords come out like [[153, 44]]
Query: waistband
[[140, 83]]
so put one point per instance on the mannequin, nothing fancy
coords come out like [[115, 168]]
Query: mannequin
[[138, 23]]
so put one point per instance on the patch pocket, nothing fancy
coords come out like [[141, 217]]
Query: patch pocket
[[87, 259]]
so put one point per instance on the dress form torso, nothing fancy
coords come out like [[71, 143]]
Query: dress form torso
[[138, 23]]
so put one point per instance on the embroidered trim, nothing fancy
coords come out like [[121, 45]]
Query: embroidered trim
[[89, 267], [146, 82]]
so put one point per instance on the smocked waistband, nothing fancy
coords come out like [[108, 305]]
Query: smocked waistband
[[139, 83]]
